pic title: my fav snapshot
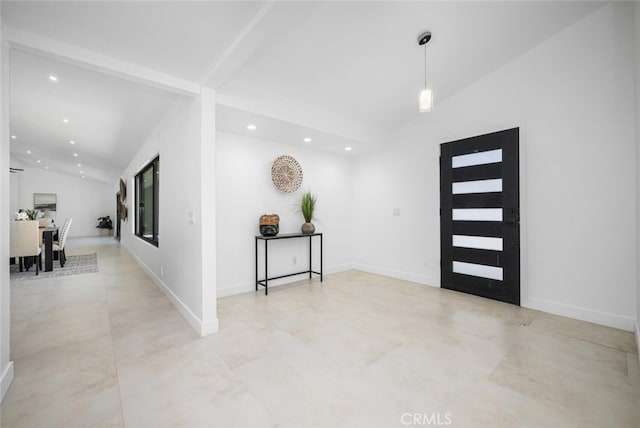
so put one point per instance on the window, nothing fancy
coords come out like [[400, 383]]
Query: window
[[147, 185]]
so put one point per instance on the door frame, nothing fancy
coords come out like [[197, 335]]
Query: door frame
[[118, 224]]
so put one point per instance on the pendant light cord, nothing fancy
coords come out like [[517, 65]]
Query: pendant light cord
[[425, 66]]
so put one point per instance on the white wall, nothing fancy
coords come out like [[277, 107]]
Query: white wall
[[572, 97], [636, 49], [6, 366], [82, 200], [245, 191], [14, 186], [181, 139]]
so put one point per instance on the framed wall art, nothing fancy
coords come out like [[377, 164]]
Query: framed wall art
[[44, 202]]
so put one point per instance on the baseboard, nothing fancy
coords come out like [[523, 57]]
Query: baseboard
[[210, 327], [406, 276], [638, 339], [232, 290], [583, 314], [575, 312], [246, 287], [7, 378], [202, 328]]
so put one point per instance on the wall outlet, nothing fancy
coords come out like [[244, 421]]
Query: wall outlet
[[295, 260]]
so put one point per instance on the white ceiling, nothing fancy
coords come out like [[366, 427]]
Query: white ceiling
[[363, 60], [181, 38], [108, 117], [344, 73]]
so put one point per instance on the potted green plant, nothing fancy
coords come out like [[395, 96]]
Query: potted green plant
[[308, 207], [105, 224]]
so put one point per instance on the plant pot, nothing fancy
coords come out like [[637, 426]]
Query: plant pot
[[308, 228], [105, 232]]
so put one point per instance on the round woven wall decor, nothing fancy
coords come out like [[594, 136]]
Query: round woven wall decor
[[286, 174]]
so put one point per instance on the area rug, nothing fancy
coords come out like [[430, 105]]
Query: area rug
[[75, 265]]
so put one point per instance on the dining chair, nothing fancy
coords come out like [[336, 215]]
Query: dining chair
[[58, 235], [25, 242], [59, 246]]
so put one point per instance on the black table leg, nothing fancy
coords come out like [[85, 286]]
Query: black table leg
[[266, 273], [320, 258], [310, 267], [256, 264], [47, 237]]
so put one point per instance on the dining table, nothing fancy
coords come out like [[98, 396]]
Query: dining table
[[49, 234]]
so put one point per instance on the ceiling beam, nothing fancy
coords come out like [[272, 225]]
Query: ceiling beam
[[34, 44], [248, 41], [268, 24], [265, 28], [307, 116]]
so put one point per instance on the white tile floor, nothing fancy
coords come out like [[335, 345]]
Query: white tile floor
[[108, 349]]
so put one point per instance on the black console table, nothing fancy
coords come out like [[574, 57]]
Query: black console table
[[264, 282]]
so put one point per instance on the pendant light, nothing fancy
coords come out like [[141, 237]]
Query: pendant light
[[426, 95]]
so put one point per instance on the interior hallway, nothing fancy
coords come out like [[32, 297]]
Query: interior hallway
[[109, 349]]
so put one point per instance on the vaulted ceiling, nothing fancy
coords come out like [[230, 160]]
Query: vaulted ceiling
[[343, 73]]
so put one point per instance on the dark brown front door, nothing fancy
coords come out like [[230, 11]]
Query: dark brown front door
[[480, 215]]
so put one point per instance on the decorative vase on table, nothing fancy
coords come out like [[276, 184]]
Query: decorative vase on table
[[308, 207], [269, 224], [308, 228]]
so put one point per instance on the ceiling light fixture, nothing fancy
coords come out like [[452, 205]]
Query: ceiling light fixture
[[251, 127], [81, 172], [83, 176], [13, 137], [65, 120], [53, 78], [46, 167], [348, 148], [71, 142], [75, 155], [307, 140], [38, 161], [79, 165], [426, 95], [28, 152]]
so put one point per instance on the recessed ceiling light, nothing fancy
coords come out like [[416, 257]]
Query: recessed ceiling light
[[46, 167], [29, 152], [75, 155], [307, 140], [53, 78], [348, 148], [79, 164], [65, 120], [251, 127], [38, 161], [81, 172], [71, 142], [13, 137], [83, 176]]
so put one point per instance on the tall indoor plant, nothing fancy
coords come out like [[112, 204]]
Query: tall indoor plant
[[308, 207]]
